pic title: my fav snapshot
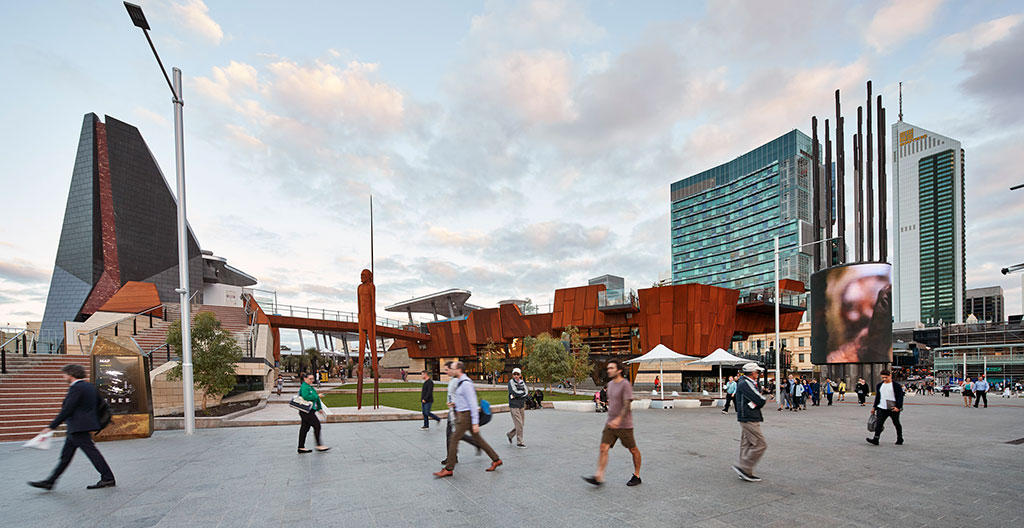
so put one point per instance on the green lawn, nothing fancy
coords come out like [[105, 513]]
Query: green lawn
[[392, 385], [411, 400]]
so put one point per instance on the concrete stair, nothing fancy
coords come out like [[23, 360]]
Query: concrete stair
[[32, 393], [232, 319]]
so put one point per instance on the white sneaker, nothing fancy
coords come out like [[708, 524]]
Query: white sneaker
[[521, 446]]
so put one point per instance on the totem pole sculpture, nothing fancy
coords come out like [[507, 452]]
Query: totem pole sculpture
[[367, 294]]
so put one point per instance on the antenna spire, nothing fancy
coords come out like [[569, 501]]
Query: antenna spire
[[901, 100]]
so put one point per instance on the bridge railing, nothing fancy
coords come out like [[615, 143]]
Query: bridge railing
[[272, 308]]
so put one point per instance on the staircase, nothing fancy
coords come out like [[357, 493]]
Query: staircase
[[232, 319], [31, 393]]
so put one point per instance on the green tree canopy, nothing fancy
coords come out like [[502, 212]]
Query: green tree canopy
[[492, 358], [214, 354], [579, 366], [546, 359]]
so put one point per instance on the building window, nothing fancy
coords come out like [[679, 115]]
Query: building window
[[800, 341], [801, 360]]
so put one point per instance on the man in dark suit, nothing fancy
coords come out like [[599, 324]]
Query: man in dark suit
[[79, 411]]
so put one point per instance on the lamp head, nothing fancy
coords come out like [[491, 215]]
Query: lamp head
[[138, 17]]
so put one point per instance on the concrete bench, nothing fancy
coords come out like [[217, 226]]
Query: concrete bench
[[575, 406], [687, 404]]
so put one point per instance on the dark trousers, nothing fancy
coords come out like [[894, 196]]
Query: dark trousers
[[309, 420], [427, 415], [815, 398], [728, 399], [861, 396], [84, 442], [829, 396], [880, 424], [980, 395]]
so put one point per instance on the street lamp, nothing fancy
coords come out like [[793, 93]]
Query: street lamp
[[778, 298], [139, 19]]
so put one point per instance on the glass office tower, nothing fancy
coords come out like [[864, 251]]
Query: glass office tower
[[724, 219], [929, 273]]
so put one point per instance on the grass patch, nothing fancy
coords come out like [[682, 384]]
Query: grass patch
[[411, 400], [390, 385]]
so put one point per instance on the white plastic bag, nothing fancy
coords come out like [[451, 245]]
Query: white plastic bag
[[40, 441]]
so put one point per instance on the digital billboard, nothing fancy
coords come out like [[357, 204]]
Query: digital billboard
[[851, 314]]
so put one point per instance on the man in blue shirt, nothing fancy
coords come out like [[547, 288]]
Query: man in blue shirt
[[467, 418], [730, 394], [981, 391]]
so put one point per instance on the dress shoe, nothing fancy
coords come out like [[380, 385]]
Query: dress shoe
[[444, 473], [873, 441], [102, 484], [42, 484], [899, 441], [323, 449], [494, 465], [303, 450]]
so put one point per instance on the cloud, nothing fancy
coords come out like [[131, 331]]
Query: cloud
[[898, 21], [983, 34], [535, 85], [535, 23], [193, 14], [996, 77], [23, 272]]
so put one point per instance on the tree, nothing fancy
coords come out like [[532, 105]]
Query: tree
[[528, 307], [214, 354], [546, 359], [492, 358], [579, 364]]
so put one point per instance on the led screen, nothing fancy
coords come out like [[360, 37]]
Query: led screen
[[851, 314]]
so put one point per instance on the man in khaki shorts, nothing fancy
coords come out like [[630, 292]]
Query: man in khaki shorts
[[619, 425]]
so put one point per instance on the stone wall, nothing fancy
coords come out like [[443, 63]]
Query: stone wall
[[168, 395]]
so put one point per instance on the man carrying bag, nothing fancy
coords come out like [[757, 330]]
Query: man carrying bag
[[80, 411]]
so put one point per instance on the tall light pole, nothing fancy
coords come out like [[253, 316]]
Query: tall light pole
[[188, 392], [778, 299]]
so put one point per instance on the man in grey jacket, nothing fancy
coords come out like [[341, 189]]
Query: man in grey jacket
[[516, 403], [748, 412]]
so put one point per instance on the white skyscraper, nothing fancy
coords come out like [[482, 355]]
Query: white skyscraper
[[928, 221]]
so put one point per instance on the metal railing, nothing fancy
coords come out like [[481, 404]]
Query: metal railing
[[272, 308], [610, 298], [3, 348]]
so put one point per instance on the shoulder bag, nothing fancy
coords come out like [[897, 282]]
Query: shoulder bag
[[301, 404]]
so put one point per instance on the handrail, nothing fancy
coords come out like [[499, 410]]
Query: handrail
[[3, 350], [125, 318], [327, 315]]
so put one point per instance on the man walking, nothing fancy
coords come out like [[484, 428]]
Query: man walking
[[828, 390], [79, 410], [981, 391], [467, 418], [815, 393], [619, 425], [888, 402], [730, 394], [748, 414], [862, 390], [450, 426], [516, 407], [427, 400]]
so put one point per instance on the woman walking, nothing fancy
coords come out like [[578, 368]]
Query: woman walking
[[967, 390], [309, 419]]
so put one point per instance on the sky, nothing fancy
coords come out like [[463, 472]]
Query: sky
[[511, 148]]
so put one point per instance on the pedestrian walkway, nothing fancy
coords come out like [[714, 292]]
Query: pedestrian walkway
[[956, 469]]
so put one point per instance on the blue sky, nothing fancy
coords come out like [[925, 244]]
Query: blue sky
[[512, 147]]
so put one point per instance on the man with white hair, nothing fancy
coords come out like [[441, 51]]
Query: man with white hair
[[748, 412]]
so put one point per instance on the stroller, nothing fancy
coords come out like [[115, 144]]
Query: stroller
[[601, 401]]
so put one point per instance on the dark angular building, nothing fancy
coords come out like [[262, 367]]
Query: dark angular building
[[120, 225]]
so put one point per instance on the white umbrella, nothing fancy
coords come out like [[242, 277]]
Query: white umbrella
[[720, 357], [661, 354]]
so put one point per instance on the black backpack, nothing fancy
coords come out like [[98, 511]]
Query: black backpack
[[103, 413]]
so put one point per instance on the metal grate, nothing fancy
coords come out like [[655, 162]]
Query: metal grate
[[1018, 441]]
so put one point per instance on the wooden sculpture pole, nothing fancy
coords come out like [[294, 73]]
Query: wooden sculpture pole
[[367, 294]]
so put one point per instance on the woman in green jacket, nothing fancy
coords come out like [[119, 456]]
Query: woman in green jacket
[[309, 419]]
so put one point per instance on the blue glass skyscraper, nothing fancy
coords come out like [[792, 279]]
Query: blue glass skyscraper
[[724, 219]]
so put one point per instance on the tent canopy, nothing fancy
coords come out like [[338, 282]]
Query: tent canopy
[[721, 357], [661, 353]]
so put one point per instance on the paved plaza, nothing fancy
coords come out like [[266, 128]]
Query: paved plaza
[[956, 469]]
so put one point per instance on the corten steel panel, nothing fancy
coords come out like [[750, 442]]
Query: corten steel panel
[[484, 325], [134, 297], [691, 319], [538, 324], [791, 285], [748, 323], [110, 278], [512, 323], [577, 307]]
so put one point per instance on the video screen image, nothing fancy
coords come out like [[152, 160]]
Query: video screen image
[[851, 319]]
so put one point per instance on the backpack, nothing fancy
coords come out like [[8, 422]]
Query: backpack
[[103, 413]]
